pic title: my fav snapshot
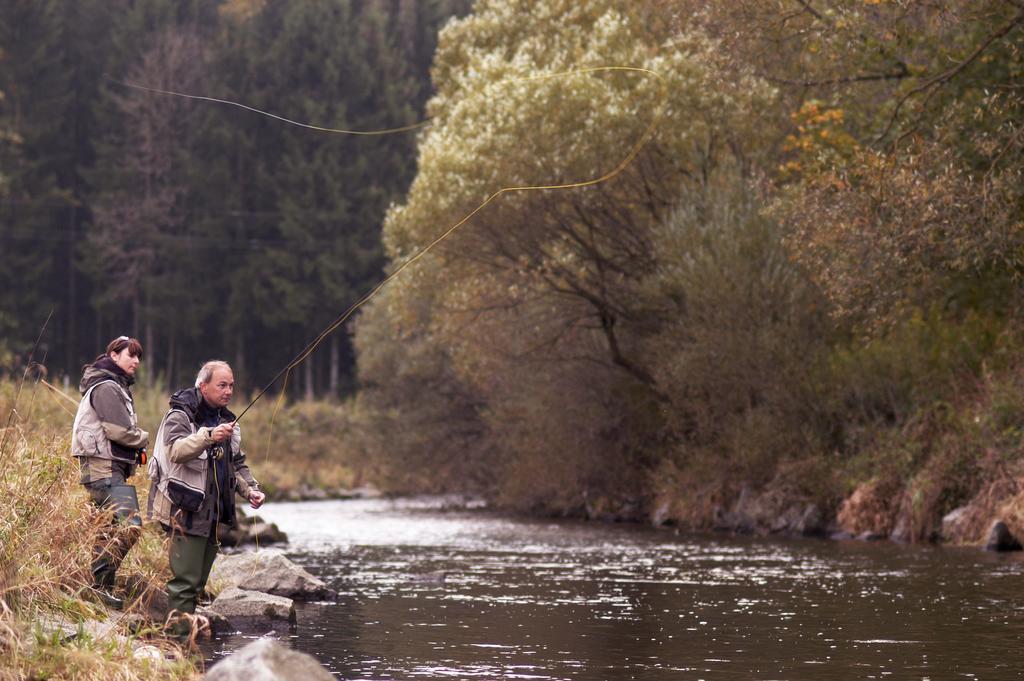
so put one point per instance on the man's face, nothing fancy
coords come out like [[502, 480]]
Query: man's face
[[217, 392]]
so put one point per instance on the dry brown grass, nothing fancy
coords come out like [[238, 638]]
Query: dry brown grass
[[47, 527]]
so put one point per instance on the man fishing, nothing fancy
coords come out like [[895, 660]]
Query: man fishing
[[197, 467]]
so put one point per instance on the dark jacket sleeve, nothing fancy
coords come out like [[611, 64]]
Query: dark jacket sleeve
[[244, 480], [113, 414]]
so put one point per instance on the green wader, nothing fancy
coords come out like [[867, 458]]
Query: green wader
[[191, 559], [117, 537]]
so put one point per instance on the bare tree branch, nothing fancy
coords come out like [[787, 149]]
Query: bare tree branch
[[900, 73], [933, 84], [810, 10]]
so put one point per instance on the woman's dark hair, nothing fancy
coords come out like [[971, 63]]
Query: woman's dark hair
[[122, 342], [117, 345]]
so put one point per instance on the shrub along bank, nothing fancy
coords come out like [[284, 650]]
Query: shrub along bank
[[802, 297]]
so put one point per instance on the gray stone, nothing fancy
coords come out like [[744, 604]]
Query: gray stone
[[1001, 539], [250, 610], [310, 493], [365, 492], [264, 533], [63, 628], [952, 524], [150, 653], [788, 520], [269, 571], [56, 628], [741, 518], [268, 660]]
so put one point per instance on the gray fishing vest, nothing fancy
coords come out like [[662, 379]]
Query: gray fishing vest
[[184, 484], [87, 435]]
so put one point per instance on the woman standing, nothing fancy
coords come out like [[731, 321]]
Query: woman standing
[[108, 443]]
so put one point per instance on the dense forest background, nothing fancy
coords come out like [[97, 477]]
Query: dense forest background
[[803, 293], [203, 229]]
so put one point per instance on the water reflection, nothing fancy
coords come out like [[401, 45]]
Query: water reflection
[[565, 600]]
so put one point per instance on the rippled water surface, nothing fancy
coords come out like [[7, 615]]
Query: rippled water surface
[[525, 599]]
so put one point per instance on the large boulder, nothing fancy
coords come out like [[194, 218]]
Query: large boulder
[[955, 524], [268, 660], [269, 571], [253, 610]]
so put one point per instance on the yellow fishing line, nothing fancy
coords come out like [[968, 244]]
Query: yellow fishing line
[[615, 171], [386, 131], [618, 169]]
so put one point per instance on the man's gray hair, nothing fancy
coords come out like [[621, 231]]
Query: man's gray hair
[[205, 374]]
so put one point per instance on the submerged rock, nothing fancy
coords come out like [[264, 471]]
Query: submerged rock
[[438, 577], [252, 610], [269, 571], [268, 660]]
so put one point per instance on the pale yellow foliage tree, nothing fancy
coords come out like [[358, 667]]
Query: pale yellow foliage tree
[[533, 300]]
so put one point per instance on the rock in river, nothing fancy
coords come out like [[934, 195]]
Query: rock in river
[[267, 660], [253, 610], [269, 571]]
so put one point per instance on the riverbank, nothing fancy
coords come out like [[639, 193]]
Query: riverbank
[[944, 471], [47, 527]]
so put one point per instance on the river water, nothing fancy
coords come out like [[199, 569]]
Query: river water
[[542, 599]]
